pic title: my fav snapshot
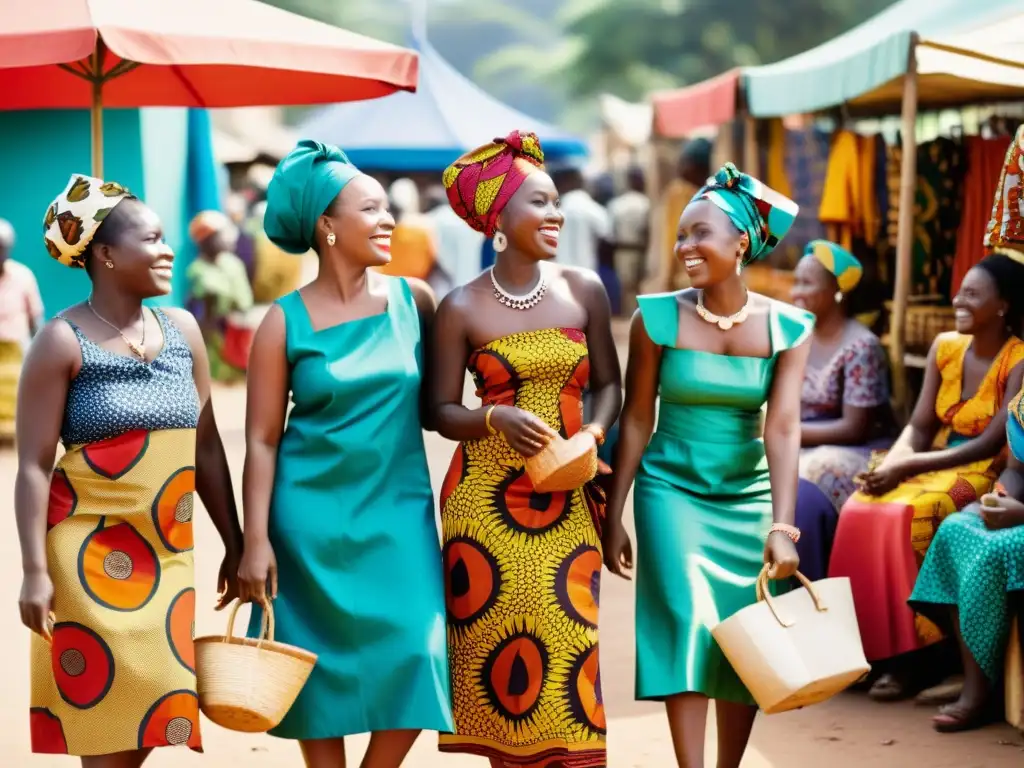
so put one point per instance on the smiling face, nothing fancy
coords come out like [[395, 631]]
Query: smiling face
[[978, 303], [708, 244], [132, 239], [814, 287], [532, 220], [361, 222]]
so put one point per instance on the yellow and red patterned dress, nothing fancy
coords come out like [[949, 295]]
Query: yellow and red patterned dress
[[522, 573], [881, 541], [120, 674]]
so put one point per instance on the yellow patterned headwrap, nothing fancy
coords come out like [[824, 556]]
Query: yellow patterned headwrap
[[837, 260], [481, 182], [73, 218]]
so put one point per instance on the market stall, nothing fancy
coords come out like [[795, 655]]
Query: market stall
[[896, 58]]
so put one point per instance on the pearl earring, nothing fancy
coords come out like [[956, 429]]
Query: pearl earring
[[331, 239], [839, 297], [500, 242], [739, 267]]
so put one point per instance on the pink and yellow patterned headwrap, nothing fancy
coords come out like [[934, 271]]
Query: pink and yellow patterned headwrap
[[480, 183], [73, 218], [1006, 227]]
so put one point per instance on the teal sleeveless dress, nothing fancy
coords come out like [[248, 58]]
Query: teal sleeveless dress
[[702, 504], [352, 525]]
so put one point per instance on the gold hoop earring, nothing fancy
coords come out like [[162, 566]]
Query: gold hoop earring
[[500, 242], [331, 239]]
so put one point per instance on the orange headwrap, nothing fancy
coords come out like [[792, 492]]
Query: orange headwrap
[[481, 182], [206, 223], [1006, 228]]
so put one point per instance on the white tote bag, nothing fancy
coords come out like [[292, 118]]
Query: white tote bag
[[797, 649]]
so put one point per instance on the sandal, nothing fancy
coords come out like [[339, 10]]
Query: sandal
[[946, 692], [952, 719], [888, 688]]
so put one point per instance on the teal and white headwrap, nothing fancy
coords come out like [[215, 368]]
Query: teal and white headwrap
[[759, 211]]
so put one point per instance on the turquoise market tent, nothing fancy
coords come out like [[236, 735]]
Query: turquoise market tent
[[864, 67], [925, 54], [425, 131]]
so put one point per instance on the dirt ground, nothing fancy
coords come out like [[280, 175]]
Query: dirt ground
[[847, 732]]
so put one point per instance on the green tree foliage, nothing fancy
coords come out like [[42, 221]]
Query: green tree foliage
[[625, 47], [550, 57]]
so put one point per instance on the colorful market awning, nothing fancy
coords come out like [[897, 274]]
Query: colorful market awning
[[864, 67], [712, 102]]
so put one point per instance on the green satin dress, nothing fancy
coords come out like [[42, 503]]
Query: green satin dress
[[702, 504], [353, 528]]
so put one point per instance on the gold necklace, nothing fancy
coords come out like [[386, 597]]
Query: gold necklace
[[139, 350], [724, 323]]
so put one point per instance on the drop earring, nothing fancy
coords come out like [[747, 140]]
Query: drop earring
[[331, 239], [838, 297], [500, 242], [739, 267]]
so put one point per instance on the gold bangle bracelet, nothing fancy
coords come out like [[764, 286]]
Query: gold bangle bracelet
[[487, 420]]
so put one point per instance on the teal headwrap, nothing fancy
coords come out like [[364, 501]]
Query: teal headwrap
[[761, 212], [304, 184], [837, 260]]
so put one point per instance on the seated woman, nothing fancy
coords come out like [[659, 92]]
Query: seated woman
[[948, 456], [845, 411], [972, 579]]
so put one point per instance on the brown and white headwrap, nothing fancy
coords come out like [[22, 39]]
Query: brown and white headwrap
[[73, 218]]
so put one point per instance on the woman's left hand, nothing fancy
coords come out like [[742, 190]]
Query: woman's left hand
[[886, 477], [1000, 512], [227, 580], [780, 553]]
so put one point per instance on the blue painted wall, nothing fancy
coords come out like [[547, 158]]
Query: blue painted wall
[[163, 155]]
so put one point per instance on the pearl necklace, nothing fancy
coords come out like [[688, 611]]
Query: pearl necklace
[[524, 302], [724, 323]]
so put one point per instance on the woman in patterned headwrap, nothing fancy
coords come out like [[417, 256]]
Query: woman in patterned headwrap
[[715, 495], [339, 513], [106, 537], [521, 568], [845, 411]]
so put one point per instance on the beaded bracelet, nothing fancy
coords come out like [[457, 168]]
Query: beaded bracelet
[[790, 530]]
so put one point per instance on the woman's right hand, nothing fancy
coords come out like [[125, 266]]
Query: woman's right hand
[[36, 602], [257, 573], [526, 433], [618, 550]]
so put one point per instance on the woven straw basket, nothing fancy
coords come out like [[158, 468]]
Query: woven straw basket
[[564, 465], [248, 684], [797, 649]]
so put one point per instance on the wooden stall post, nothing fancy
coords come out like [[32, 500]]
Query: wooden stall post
[[905, 237], [751, 164]]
